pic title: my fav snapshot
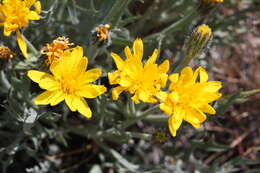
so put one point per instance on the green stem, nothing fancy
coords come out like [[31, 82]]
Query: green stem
[[184, 63], [116, 12], [31, 47], [140, 117], [175, 26]]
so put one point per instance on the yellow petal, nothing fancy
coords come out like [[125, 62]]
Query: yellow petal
[[195, 117], [203, 75], [57, 98], [135, 98], [207, 109], [144, 96], [138, 48], [83, 107], [174, 122], [80, 67], [70, 101], [174, 77], [44, 98], [152, 58], [71, 58], [33, 16], [161, 95], [49, 83], [29, 3], [57, 69], [186, 76], [90, 75], [22, 44], [125, 82], [166, 109], [211, 86], [114, 77], [128, 53], [164, 67], [91, 91], [163, 80], [38, 7], [35, 75], [119, 62], [117, 91], [45, 80]]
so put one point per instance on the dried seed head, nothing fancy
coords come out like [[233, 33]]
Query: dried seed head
[[6, 53], [55, 50]]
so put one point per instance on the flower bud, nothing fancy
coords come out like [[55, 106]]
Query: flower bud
[[101, 35], [198, 41]]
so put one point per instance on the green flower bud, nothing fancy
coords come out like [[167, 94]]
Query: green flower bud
[[101, 35], [198, 41]]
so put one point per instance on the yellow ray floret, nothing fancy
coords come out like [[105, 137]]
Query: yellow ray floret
[[143, 81], [188, 98], [69, 81], [16, 14]]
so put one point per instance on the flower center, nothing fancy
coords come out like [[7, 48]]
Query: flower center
[[68, 86]]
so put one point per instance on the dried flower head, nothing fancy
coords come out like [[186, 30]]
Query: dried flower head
[[6, 53], [189, 98], [55, 50], [16, 14]]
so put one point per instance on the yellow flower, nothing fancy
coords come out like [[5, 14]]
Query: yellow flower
[[69, 82], [56, 49], [203, 31], [16, 14], [188, 98], [143, 81], [6, 53]]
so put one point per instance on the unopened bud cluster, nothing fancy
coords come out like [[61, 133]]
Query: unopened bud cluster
[[101, 35]]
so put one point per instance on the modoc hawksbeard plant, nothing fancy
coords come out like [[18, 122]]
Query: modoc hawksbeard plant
[[143, 81], [188, 98], [16, 14], [69, 82]]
